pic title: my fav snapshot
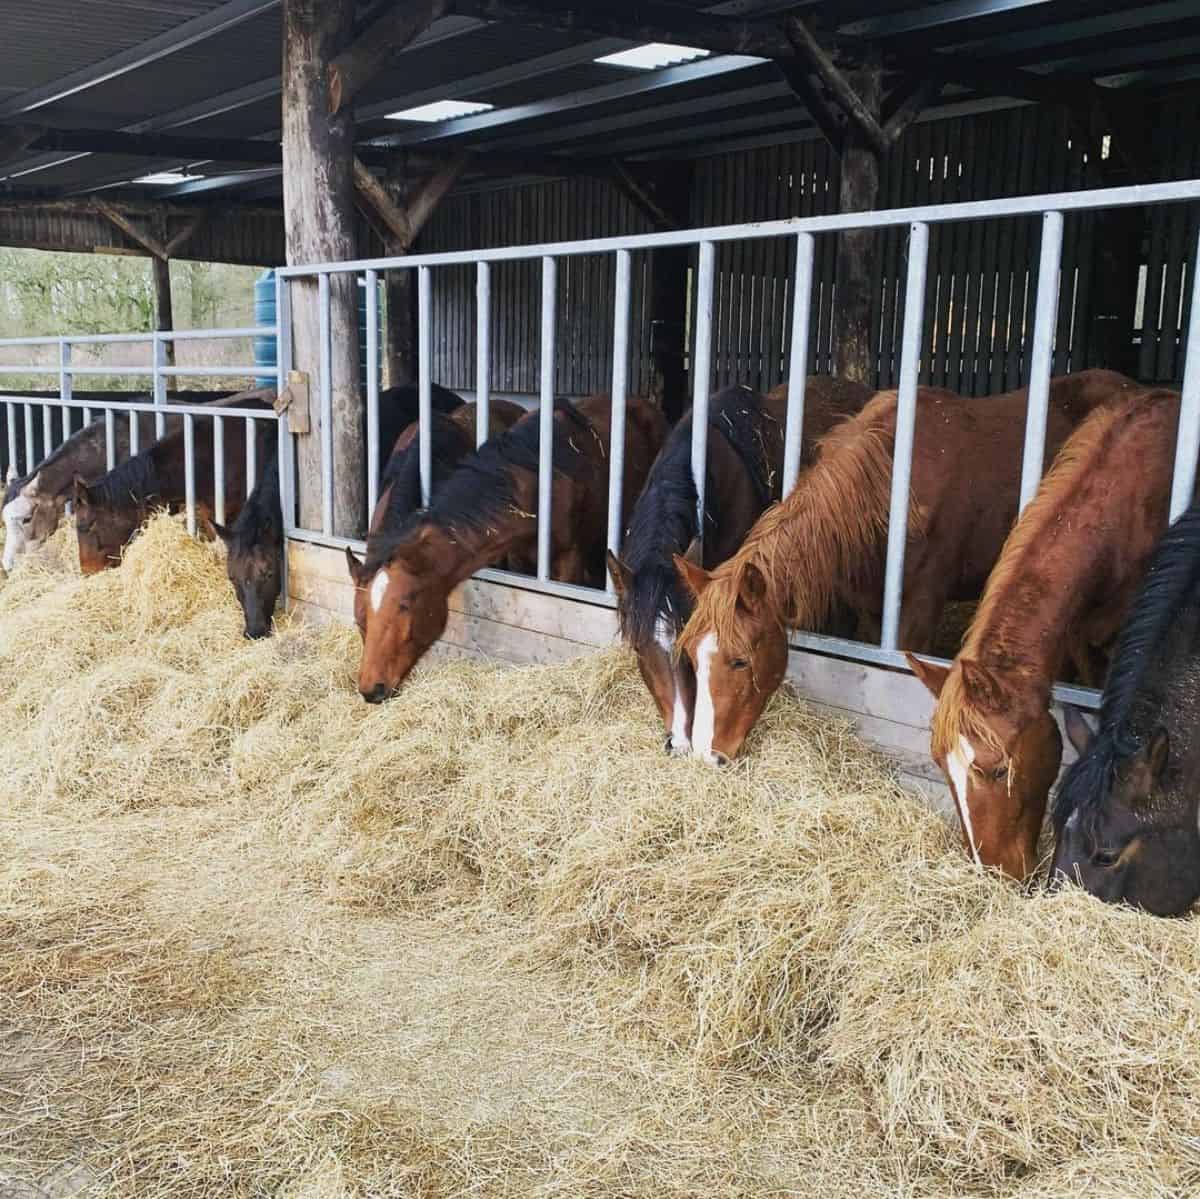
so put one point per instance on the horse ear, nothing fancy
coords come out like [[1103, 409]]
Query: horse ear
[[354, 566], [1079, 732], [79, 489], [621, 575], [982, 685], [12, 473], [1157, 753], [694, 578], [752, 588], [931, 674], [695, 552], [220, 530]]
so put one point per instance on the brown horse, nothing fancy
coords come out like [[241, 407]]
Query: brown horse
[[488, 511], [110, 511], [1066, 577], [828, 540], [745, 472]]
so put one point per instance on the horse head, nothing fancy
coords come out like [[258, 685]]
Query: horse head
[[401, 608], [30, 518], [999, 749], [101, 528], [1131, 835], [738, 650], [650, 621], [254, 566]]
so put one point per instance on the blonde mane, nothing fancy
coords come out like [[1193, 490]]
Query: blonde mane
[[814, 542]]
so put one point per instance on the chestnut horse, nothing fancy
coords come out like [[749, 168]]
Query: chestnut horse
[[110, 511], [828, 540], [1125, 817], [488, 511], [745, 472], [254, 542], [1065, 579]]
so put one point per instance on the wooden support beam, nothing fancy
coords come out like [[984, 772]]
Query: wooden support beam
[[186, 234], [16, 139], [164, 319], [808, 91], [425, 200], [392, 218], [389, 33], [114, 216], [810, 51], [403, 225], [642, 197], [154, 145], [906, 104]]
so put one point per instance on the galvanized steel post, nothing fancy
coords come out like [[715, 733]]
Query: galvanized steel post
[[483, 351], [325, 357], [798, 361], [424, 385], [189, 471], [906, 416], [620, 392], [1187, 443], [372, 298], [546, 419], [701, 370], [160, 385], [218, 444]]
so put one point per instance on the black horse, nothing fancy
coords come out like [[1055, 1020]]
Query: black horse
[[1126, 814]]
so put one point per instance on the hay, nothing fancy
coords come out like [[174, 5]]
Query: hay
[[257, 937]]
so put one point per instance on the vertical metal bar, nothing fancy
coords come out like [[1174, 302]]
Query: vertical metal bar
[[64, 393], [545, 516], [48, 428], [218, 444], [793, 437], [701, 370], [189, 471], [110, 438], [1187, 443], [29, 450], [373, 450], [135, 434], [1042, 356], [424, 385], [284, 447], [160, 386], [326, 357], [11, 414], [620, 390], [483, 351], [906, 419], [251, 455]]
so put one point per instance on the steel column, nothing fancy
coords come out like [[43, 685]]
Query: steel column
[[1187, 443], [546, 420], [326, 356], [483, 351], [620, 392], [424, 385], [701, 371], [372, 298], [793, 437]]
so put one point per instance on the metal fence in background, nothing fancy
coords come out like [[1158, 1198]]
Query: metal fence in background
[[22, 448], [799, 239]]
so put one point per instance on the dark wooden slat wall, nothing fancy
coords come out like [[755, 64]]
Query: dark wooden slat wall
[[981, 282]]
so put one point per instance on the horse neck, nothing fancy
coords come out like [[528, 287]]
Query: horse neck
[[460, 552]]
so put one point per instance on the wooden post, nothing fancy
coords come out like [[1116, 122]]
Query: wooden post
[[858, 191], [318, 206], [164, 320]]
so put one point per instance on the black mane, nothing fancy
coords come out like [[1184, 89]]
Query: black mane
[[261, 516], [13, 488], [664, 519], [1169, 586], [482, 489], [134, 480]]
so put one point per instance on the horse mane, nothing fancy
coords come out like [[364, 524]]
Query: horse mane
[[1169, 585], [134, 480], [664, 518], [261, 516], [482, 491], [960, 709], [814, 542], [14, 488]]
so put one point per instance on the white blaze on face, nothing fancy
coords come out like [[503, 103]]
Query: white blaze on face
[[15, 512], [958, 764], [680, 743], [379, 586], [704, 717]]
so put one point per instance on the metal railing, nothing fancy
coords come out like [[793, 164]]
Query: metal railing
[[1051, 209], [159, 371]]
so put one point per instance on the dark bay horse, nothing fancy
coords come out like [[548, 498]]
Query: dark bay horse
[[254, 542], [1065, 579], [745, 471], [487, 511], [110, 511], [1125, 817], [828, 541], [34, 504]]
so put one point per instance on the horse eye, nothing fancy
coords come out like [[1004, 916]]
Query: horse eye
[[1000, 772], [738, 664], [1105, 858]]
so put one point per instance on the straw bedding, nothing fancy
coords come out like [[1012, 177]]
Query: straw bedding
[[257, 937]]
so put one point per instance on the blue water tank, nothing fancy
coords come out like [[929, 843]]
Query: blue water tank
[[264, 314]]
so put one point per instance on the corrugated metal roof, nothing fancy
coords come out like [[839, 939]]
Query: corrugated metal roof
[[222, 85]]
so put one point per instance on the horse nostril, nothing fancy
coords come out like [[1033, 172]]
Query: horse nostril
[[669, 744], [255, 634], [376, 695], [720, 759]]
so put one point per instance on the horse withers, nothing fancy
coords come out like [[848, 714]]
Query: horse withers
[[1125, 817], [486, 512], [254, 542], [744, 476], [826, 543], [1067, 575]]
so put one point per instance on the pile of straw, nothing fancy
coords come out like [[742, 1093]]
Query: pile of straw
[[257, 937]]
